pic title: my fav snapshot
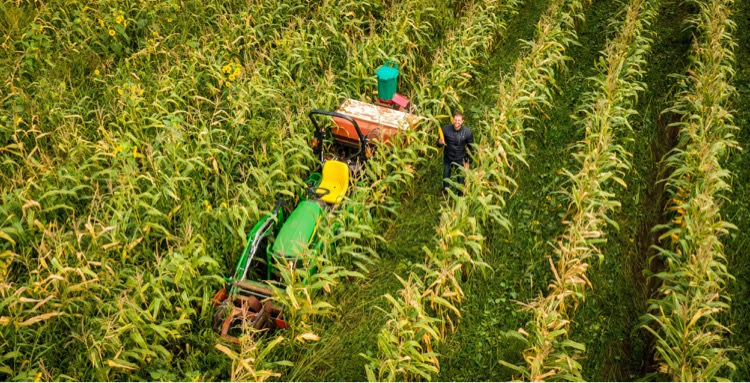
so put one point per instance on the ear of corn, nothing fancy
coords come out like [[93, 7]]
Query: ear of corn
[[684, 317]]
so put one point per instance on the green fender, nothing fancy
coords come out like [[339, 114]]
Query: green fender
[[278, 218]]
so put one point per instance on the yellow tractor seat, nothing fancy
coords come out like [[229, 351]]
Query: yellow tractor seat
[[335, 180]]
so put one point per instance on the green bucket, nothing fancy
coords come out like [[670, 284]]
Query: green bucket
[[387, 80]]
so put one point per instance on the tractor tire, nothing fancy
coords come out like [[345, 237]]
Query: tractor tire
[[254, 304], [220, 315]]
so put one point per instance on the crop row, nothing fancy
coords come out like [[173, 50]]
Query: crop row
[[604, 115], [685, 316], [427, 304]]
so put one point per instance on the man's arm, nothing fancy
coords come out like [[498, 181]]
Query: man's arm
[[470, 149]]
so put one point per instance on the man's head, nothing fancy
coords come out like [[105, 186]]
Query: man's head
[[458, 120]]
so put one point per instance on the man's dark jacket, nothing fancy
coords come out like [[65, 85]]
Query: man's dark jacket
[[457, 144]]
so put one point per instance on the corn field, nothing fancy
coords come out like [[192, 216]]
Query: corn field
[[598, 234]]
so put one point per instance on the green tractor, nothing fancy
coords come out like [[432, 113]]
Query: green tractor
[[343, 145]]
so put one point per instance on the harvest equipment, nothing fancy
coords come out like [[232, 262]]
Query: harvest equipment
[[343, 143]]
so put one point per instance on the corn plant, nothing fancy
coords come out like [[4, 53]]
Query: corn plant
[[607, 108], [300, 284], [127, 186], [460, 246], [683, 317], [407, 337], [248, 362]]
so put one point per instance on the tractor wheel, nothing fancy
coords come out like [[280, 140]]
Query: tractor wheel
[[254, 304], [220, 314]]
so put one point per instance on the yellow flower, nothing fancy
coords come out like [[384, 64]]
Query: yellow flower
[[535, 222], [155, 33], [548, 198], [38, 377], [96, 72], [119, 19], [111, 32], [207, 205], [229, 83], [117, 150], [232, 77], [224, 205], [169, 19], [120, 92], [19, 120], [101, 22]]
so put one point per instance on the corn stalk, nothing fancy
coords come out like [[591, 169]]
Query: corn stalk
[[551, 354], [683, 318], [248, 361]]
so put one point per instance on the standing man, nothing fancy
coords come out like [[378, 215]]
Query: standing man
[[458, 141]]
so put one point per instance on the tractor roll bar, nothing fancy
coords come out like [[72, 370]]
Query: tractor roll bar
[[362, 138]]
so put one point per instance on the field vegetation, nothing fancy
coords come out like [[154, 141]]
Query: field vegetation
[[600, 233]]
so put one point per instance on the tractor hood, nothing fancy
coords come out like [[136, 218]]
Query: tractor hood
[[298, 229]]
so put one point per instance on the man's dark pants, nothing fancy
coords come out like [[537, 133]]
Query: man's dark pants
[[448, 168]]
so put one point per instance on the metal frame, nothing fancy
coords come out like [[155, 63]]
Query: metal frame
[[362, 138]]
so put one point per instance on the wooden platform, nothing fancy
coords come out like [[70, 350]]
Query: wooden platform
[[376, 122]]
